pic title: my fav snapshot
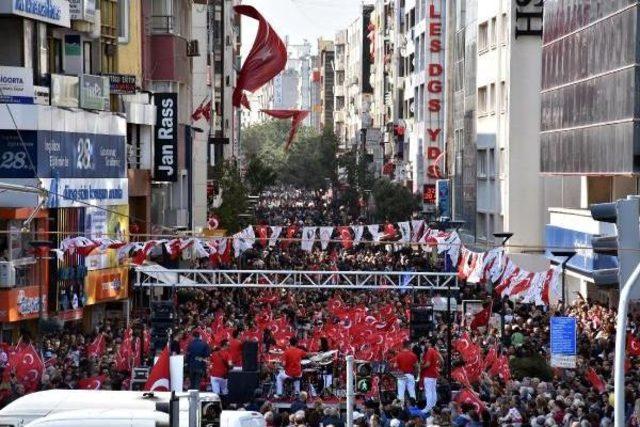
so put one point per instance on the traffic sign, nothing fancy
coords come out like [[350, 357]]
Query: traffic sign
[[564, 343]]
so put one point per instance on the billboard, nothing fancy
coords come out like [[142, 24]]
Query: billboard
[[113, 224], [165, 165]]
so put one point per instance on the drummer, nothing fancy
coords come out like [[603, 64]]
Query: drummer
[[327, 369], [292, 360]]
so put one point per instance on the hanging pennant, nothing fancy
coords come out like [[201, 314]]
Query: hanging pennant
[[325, 236], [308, 236]]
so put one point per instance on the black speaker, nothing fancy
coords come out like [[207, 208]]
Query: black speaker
[[250, 356], [421, 321], [242, 386], [161, 310]]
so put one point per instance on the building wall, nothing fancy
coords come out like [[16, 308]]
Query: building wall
[[130, 53]]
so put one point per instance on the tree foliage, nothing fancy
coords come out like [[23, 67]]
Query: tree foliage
[[259, 175], [234, 196], [393, 201], [356, 173]]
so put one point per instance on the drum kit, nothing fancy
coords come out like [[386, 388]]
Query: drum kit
[[314, 368]]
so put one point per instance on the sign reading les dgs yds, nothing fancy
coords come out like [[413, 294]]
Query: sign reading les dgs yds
[[165, 165]]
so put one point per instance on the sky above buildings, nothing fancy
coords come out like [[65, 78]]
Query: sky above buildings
[[300, 19]]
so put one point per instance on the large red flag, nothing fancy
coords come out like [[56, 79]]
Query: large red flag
[[159, 377], [468, 396], [633, 345], [482, 317], [96, 347], [267, 58], [27, 364], [296, 116], [92, 383], [346, 237], [595, 380]]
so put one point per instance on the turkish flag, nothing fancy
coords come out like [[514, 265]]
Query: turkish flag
[[263, 234], [482, 317], [468, 350], [596, 382], [290, 234], [501, 368], [468, 396], [27, 364], [389, 232], [490, 358], [296, 116], [346, 237], [91, 383], [159, 377], [140, 256], [96, 347], [633, 345], [267, 58]]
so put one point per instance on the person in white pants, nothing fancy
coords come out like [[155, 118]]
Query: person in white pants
[[220, 363], [280, 379], [429, 372], [292, 361], [406, 361], [219, 386]]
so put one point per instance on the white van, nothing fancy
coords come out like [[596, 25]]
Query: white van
[[105, 417], [41, 404]]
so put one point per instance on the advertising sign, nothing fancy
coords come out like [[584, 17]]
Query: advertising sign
[[122, 84], [52, 11], [563, 342], [165, 165], [77, 192], [16, 152], [429, 194], [21, 303], [106, 285], [16, 85], [94, 92], [113, 224], [64, 91], [443, 200], [82, 10], [435, 79], [41, 95]]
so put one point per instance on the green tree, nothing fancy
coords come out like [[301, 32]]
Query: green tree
[[234, 196], [259, 175], [393, 201], [356, 174]]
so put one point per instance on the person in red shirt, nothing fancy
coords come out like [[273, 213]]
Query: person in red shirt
[[235, 349], [429, 373], [292, 360], [406, 362], [219, 364]]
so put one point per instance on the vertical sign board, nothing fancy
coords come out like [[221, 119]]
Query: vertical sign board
[[563, 342], [165, 164], [435, 95], [442, 198]]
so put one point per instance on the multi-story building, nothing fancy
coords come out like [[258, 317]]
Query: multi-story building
[[314, 88], [340, 88], [493, 127], [589, 134], [327, 81]]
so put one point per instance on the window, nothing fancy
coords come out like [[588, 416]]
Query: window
[[109, 35], [490, 226], [55, 58], [483, 37], [482, 163], [494, 31], [481, 220], [86, 57], [492, 98], [492, 162], [123, 21], [482, 101], [504, 29], [503, 96]]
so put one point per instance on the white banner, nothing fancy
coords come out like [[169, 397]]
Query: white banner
[[325, 236]]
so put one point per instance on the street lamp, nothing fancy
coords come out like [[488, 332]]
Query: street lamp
[[41, 249], [505, 236], [567, 255]]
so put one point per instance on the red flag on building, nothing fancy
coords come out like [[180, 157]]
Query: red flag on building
[[92, 383], [159, 377], [96, 347], [267, 58], [596, 381], [482, 317], [468, 396], [296, 116]]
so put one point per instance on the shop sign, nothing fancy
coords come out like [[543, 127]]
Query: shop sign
[[165, 165], [22, 303], [51, 11], [61, 154], [82, 10], [110, 284], [434, 123], [122, 84], [429, 194], [41, 95], [78, 192], [114, 224], [16, 85], [94, 92], [64, 91]]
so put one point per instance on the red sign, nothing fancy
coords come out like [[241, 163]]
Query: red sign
[[429, 194], [433, 153]]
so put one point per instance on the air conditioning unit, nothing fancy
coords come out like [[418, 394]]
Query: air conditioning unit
[[193, 48], [7, 274]]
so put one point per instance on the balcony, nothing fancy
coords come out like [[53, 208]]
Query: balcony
[[163, 24], [171, 62]]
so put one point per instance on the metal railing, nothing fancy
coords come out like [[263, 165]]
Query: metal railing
[[163, 24], [152, 276]]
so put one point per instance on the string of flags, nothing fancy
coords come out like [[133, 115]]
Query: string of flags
[[493, 267]]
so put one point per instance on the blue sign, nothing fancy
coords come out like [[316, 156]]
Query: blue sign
[[61, 155], [443, 198], [564, 336], [585, 260]]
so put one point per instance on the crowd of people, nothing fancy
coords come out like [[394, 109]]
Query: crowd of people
[[422, 384]]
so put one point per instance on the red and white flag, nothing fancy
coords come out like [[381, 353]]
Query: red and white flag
[[481, 318], [633, 345], [96, 347], [92, 383], [468, 396], [159, 377], [596, 381]]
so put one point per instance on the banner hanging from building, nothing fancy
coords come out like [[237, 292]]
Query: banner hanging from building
[[111, 284], [113, 224]]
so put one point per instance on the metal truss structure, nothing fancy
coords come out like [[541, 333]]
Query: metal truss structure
[[156, 276]]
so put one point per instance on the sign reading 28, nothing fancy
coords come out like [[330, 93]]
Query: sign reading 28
[[14, 161], [85, 154]]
